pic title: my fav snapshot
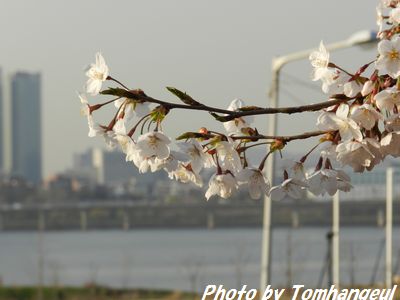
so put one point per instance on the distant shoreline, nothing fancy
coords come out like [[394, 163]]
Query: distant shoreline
[[111, 215], [95, 230]]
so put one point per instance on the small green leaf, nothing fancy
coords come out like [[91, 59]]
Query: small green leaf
[[158, 114], [221, 118], [277, 145], [118, 92], [191, 135], [185, 98]]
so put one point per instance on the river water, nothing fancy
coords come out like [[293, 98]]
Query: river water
[[188, 259]]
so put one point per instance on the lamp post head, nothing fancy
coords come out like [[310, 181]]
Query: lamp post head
[[363, 37]]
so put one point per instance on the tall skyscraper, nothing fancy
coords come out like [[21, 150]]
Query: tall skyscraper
[[26, 126], [2, 141]]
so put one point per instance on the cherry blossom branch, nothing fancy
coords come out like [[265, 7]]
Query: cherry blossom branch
[[362, 118], [262, 163], [139, 95], [117, 81], [132, 131], [244, 148], [282, 138], [100, 105], [287, 138]]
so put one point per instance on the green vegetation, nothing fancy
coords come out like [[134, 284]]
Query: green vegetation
[[92, 292], [88, 293]]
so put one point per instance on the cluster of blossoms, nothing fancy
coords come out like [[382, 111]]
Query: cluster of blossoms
[[367, 123], [153, 150], [359, 126]]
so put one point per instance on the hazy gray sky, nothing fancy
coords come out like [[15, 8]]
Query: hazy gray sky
[[215, 50]]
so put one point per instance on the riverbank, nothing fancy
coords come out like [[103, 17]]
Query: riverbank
[[103, 293], [88, 293], [108, 215]]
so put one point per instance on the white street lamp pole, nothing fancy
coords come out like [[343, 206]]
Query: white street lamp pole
[[335, 240], [359, 38], [389, 225]]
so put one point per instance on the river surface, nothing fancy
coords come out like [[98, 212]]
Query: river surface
[[188, 259]]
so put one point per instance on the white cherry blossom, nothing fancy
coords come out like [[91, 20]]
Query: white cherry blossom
[[154, 144], [146, 164], [379, 16], [132, 152], [97, 73], [172, 162], [85, 111], [343, 181], [295, 169], [348, 128], [290, 187], [169, 164], [121, 136], [366, 116], [328, 150], [257, 183], [356, 154], [327, 181], [236, 125], [368, 87], [119, 127], [142, 162], [390, 144], [352, 88], [333, 81], [392, 123], [387, 3], [108, 135], [344, 186], [228, 156], [198, 158], [375, 148], [322, 181], [133, 108], [223, 185], [93, 127], [185, 175], [319, 60], [388, 61], [388, 98], [394, 16]]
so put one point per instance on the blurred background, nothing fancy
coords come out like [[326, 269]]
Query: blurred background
[[73, 213]]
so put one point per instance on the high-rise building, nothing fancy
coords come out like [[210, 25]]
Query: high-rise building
[[2, 142], [26, 126]]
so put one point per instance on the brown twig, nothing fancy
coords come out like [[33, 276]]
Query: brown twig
[[255, 138], [287, 138], [230, 115]]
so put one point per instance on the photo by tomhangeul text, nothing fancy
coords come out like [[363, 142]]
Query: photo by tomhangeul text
[[214, 292]]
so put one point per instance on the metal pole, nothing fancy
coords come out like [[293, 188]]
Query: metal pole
[[335, 241], [41, 228], [389, 236], [266, 253], [277, 64], [83, 220], [329, 237]]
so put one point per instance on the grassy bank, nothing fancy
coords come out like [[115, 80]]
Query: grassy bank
[[87, 293], [103, 293]]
